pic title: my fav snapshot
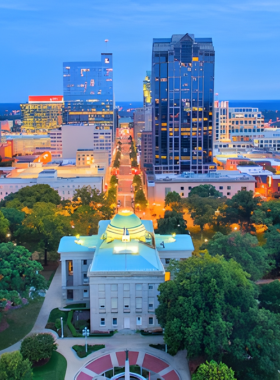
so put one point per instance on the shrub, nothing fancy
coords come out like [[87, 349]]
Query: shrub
[[71, 327], [80, 325], [14, 367], [37, 347], [58, 323]]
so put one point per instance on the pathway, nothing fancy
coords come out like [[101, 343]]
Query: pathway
[[125, 178], [117, 343]]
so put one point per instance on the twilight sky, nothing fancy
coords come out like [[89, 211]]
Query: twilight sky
[[36, 36]]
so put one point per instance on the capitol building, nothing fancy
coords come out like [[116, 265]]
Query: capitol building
[[116, 273]]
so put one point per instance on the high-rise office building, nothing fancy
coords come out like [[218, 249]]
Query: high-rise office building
[[41, 113], [182, 87], [88, 92]]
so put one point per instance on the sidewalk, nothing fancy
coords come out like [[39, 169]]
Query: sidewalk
[[118, 342]]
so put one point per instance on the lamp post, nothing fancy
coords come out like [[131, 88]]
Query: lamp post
[[86, 334], [61, 320]]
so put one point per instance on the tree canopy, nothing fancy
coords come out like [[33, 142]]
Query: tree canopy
[[210, 308], [29, 195], [214, 371], [17, 270], [243, 248], [173, 222], [174, 201], [15, 218], [268, 213], [270, 296], [240, 208], [44, 227], [4, 227], [140, 199], [205, 191], [14, 367], [202, 210]]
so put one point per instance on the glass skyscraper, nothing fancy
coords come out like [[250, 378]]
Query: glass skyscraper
[[88, 92], [183, 104]]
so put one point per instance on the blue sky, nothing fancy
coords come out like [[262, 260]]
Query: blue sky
[[36, 36]]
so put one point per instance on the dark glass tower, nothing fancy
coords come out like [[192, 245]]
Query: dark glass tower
[[183, 104], [88, 92]]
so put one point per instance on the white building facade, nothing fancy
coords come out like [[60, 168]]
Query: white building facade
[[117, 272], [64, 186]]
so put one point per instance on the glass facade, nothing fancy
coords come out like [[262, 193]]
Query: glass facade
[[40, 116], [183, 104], [88, 92]]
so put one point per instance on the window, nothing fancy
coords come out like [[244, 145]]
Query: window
[[229, 187], [101, 303], [85, 275], [151, 320], [182, 194], [151, 303], [190, 187], [151, 286], [221, 187], [114, 288], [139, 321], [114, 303], [138, 286], [70, 294], [243, 188], [126, 287], [102, 322], [167, 190], [85, 293], [228, 193], [126, 303], [101, 287], [182, 188], [167, 261], [115, 322], [84, 262], [138, 302]]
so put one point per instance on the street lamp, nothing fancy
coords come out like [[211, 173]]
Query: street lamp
[[86, 334], [61, 320]]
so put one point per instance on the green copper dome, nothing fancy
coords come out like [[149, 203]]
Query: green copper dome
[[125, 221]]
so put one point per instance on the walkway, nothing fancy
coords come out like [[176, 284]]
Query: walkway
[[52, 300], [119, 343], [125, 178]]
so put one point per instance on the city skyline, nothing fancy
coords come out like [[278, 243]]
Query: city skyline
[[246, 59]]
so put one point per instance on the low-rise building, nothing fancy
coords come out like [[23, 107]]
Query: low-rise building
[[226, 182], [76, 137], [117, 272], [64, 186], [86, 158]]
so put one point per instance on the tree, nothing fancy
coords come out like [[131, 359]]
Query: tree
[[113, 180], [14, 367], [240, 208], [137, 182], [86, 220], [205, 191], [243, 248], [17, 270], [87, 196], [15, 218], [210, 308], [214, 371], [270, 296], [37, 347], [173, 222], [134, 164], [202, 210], [140, 199], [174, 201], [44, 227], [268, 214], [4, 227], [29, 195], [272, 245]]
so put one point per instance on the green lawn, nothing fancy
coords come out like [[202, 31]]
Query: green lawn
[[81, 350], [55, 369], [20, 322]]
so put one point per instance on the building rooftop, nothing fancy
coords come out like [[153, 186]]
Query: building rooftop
[[174, 243]]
